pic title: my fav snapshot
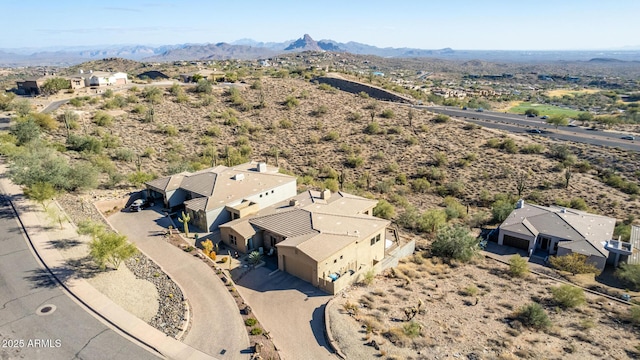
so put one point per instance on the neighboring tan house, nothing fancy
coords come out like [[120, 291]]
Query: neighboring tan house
[[208, 74], [217, 195], [329, 240], [561, 231]]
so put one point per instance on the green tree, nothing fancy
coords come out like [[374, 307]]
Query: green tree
[[22, 107], [558, 120], [53, 85], [384, 210], [568, 296], [455, 242], [574, 263], [184, 220], [112, 249], [501, 209], [138, 178], [518, 266], [92, 228], [40, 192], [585, 117], [534, 112]]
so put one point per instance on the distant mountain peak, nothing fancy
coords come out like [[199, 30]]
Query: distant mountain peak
[[305, 43]]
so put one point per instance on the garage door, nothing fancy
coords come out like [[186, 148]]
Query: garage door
[[515, 242], [297, 268]]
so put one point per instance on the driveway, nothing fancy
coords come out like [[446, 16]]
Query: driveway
[[291, 310], [216, 325]]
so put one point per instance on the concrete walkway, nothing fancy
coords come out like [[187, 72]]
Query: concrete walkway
[[217, 327], [81, 291]]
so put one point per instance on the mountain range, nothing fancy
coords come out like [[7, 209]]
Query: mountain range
[[245, 49]]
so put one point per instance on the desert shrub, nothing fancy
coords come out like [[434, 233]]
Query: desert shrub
[[634, 314], [354, 161], [331, 136], [139, 109], [77, 102], [124, 154], [101, 118], [250, 322], [409, 217], [256, 331], [84, 143], [331, 184], [388, 114], [440, 159], [574, 263], [518, 266], [629, 274], [363, 95], [453, 208], [286, 124], [455, 242], [384, 210], [412, 329], [568, 296], [441, 118], [431, 220], [509, 146], [290, 102], [575, 203], [401, 179], [420, 185], [373, 129], [327, 87], [213, 131], [368, 278], [45, 121], [532, 149], [469, 291], [501, 209], [320, 110], [25, 131], [533, 316], [454, 188], [493, 143]]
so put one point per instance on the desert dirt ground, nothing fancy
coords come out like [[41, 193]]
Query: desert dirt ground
[[469, 313], [315, 139]]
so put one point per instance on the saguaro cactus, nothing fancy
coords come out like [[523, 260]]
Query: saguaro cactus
[[184, 219]]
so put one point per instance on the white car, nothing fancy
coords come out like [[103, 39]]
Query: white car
[[137, 205]]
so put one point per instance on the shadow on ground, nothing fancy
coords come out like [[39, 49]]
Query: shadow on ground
[[82, 268]]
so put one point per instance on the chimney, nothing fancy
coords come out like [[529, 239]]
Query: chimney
[[262, 167], [325, 194], [238, 177], [520, 204]]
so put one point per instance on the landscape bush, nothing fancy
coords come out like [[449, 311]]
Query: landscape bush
[[25, 131], [420, 185], [533, 316], [568, 296], [518, 266], [441, 118], [431, 220], [501, 209], [373, 128], [574, 263], [256, 331], [388, 114], [101, 118], [250, 322], [630, 275]]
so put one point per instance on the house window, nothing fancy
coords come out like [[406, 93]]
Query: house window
[[233, 239], [236, 216], [273, 240], [373, 241]]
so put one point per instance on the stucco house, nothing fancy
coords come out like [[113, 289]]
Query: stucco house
[[561, 231], [217, 195], [327, 239], [103, 78]]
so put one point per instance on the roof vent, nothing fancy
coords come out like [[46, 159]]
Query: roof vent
[[563, 210], [238, 177], [262, 167]]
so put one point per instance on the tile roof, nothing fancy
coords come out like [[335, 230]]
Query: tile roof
[[574, 225]]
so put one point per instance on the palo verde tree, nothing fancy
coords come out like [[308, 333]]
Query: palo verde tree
[[558, 120], [455, 242], [534, 112], [53, 85], [40, 192], [112, 249]]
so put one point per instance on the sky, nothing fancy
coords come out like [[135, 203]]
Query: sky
[[424, 24]]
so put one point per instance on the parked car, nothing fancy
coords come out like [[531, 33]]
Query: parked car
[[572, 125], [544, 117], [464, 108], [627, 137], [534, 131], [138, 205], [480, 110], [531, 115]]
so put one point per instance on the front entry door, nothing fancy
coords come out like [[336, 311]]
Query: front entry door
[[544, 244]]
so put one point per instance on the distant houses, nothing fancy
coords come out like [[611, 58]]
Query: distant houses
[[33, 86]]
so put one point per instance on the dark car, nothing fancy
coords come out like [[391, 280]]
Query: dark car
[[534, 131], [544, 117], [480, 110], [627, 137], [531, 115], [138, 205]]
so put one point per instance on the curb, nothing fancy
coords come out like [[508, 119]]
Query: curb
[[186, 300], [327, 331]]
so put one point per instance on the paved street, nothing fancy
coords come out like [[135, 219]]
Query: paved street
[[520, 124], [291, 309], [216, 325], [66, 331]]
